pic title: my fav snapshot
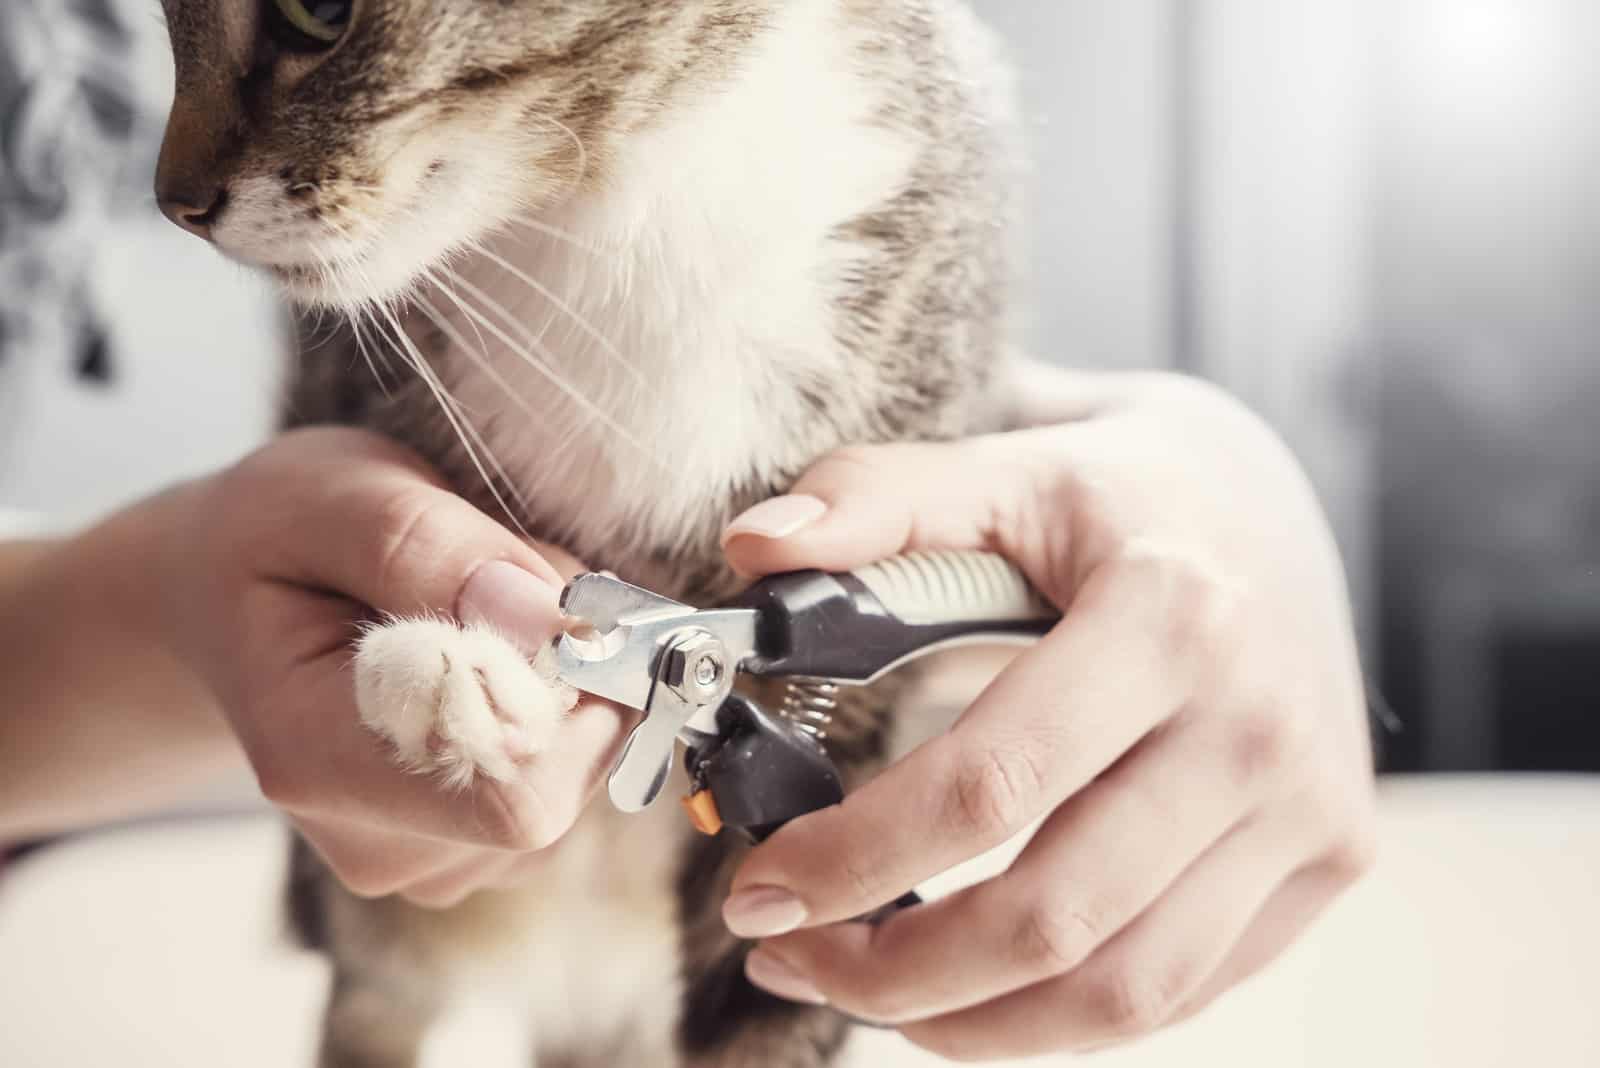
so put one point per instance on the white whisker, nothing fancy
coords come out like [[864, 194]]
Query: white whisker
[[467, 433], [561, 305], [452, 410], [540, 226], [531, 360], [330, 276]]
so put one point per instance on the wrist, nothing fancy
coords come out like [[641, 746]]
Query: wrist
[[101, 719], [129, 583]]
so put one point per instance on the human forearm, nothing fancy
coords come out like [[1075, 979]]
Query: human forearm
[[99, 719]]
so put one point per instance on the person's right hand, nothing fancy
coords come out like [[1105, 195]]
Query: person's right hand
[[275, 566]]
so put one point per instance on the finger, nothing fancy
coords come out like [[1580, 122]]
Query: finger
[[1140, 980], [1098, 862], [317, 702], [1292, 909], [376, 863], [451, 887], [1055, 720], [354, 514], [858, 506]]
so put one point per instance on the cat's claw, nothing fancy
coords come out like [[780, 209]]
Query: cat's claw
[[457, 702]]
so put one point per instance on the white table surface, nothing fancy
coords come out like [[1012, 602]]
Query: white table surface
[[1475, 945]]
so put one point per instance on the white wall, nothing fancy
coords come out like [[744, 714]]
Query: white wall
[[1282, 188], [1278, 114], [1096, 83]]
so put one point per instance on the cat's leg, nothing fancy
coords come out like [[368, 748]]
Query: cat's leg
[[727, 1021], [457, 701], [374, 1021], [380, 1004]]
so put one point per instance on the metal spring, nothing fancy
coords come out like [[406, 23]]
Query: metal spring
[[810, 704]]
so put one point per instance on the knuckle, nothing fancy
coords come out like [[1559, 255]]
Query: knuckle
[[851, 465], [275, 785], [883, 1004], [854, 456], [843, 465], [278, 782], [264, 727], [1054, 939], [513, 821], [1129, 1001], [1267, 737], [410, 526], [863, 880], [1196, 603], [994, 794], [368, 882], [1199, 623], [437, 900], [1353, 859], [950, 1044], [246, 476]]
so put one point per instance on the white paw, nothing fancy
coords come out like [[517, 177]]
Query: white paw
[[456, 701]]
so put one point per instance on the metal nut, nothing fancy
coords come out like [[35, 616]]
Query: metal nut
[[697, 667]]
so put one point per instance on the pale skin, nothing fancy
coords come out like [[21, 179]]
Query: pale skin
[[214, 621], [1192, 735]]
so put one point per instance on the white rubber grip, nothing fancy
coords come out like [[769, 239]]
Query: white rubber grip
[[954, 587]]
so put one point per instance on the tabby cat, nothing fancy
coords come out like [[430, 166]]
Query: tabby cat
[[620, 269]]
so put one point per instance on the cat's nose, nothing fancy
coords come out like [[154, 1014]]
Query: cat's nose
[[197, 214]]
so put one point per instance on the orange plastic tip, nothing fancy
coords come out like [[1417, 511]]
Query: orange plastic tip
[[703, 814]]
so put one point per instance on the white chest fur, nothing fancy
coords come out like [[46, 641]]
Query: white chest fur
[[662, 327], [627, 360]]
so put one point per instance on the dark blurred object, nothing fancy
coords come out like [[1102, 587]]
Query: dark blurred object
[[1547, 679], [94, 357]]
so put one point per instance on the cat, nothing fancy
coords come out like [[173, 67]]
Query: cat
[[620, 269]]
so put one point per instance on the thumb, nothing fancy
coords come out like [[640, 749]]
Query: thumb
[[860, 505], [355, 515]]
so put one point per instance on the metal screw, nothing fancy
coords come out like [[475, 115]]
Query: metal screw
[[695, 667], [708, 670]]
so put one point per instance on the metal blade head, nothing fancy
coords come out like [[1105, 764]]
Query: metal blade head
[[606, 602], [607, 656], [615, 656]]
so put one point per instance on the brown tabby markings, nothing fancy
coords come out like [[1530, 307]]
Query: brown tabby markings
[[919, 308]]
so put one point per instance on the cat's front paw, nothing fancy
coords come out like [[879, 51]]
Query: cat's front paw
[[458, 702]]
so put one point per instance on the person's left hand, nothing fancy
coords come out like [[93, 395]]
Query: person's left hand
[[1193, 734]]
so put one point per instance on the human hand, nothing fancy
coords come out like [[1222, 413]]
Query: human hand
[[285, 558], [1193, 735]]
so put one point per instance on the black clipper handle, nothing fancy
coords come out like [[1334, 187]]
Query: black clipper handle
[[855, 626], [848, 628], [764, 772]]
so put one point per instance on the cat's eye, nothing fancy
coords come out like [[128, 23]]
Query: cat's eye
[[310, 25]]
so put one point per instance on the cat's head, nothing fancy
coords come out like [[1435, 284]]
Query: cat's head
[[349, 145]]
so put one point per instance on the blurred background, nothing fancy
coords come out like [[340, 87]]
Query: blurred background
[[1372, 219]]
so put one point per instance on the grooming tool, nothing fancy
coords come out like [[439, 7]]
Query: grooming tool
[[752, 770]]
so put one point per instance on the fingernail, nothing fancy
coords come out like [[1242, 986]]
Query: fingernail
[[773, 975], [777, 518], [763, 912], [519, 606]]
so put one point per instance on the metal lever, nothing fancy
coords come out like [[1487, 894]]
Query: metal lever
[[692, 674]]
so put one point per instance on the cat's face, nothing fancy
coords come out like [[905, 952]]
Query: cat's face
[[348, 145]]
